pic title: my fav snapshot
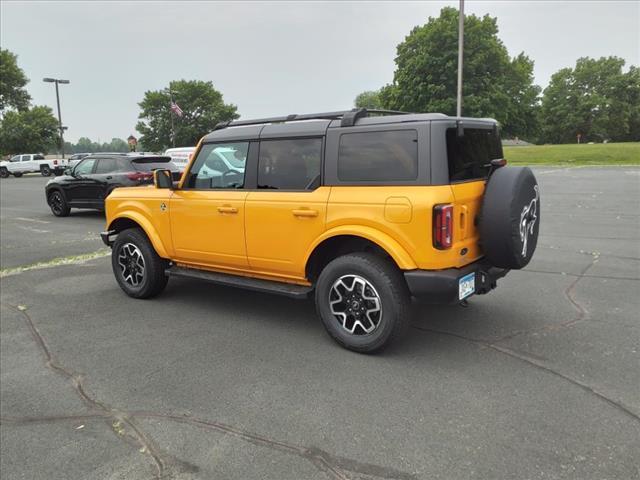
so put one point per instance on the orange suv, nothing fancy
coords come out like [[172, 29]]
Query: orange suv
[[363, 209]]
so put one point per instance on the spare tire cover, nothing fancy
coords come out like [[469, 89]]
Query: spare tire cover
[[510, 217]]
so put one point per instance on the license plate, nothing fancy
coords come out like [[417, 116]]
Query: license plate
[[466, 286]]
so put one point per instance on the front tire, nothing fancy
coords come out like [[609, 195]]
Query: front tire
[[45, 171], [363, 302], [4, 173], [138, 269], [58, 204]]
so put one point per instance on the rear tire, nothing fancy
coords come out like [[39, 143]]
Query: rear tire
[[139, 270], [45, 171], [17, 174], [58, 204], [363, 302]]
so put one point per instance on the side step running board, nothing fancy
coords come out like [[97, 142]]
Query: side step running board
[[287, 289]]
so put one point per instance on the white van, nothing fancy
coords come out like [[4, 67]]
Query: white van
[[180, 156]]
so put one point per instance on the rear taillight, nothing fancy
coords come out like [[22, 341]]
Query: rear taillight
[[139, 176], [442, 226], [55, 162]]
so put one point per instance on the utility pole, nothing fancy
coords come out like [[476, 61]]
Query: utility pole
[[460, 50], [64, 82], [173, 132]]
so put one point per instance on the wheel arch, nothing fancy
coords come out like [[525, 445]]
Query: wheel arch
[[344, 240], [135, 220]]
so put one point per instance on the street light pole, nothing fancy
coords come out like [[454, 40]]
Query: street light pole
[[57, 81], [460, 50]]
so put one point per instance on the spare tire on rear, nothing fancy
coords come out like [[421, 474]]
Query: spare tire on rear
[[510, 217]]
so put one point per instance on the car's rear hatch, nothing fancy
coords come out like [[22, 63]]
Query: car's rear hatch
[[470, 151]]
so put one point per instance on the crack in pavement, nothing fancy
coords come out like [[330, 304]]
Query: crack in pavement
[[582, 314], [540, 364], [335, 466], [331, 464], [77, 382]]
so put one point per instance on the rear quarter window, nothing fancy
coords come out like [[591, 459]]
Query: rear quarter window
[[469, 156], [378, 156]]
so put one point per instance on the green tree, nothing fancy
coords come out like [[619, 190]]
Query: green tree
[[369, 99], [202, 105], [596, 99], [494, 85], [12, 82], [33, 130]]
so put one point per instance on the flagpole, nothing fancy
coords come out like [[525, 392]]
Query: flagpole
[[460, 50], [173, 132]]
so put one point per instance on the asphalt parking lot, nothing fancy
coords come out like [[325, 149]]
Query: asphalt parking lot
[[538, 380]]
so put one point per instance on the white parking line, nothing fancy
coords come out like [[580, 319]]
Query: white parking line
[[31, 229], [23, 219]]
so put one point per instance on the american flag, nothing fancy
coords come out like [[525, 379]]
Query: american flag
[[175, 108]]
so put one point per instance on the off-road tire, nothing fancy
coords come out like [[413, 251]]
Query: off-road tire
[[45, 171], [58, 204], [388, 285], [17, 174], [4, 173], [154, 280]]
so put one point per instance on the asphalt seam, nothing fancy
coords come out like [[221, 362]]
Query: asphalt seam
[[335, 466]]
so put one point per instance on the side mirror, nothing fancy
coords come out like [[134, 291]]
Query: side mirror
[[163, 178]]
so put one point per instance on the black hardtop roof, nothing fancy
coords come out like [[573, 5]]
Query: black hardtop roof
[[313, 124]]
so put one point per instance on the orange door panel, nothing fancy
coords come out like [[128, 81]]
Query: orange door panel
[[280, 228], [208, 227]]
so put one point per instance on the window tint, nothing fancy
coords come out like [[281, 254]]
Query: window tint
[[26, 158], [378, 156], [292, 164], [213, 169], [469, 156], [85, 166], [38, 157], [111, 165]]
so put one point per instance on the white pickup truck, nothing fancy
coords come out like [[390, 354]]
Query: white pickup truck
[[32, 162]]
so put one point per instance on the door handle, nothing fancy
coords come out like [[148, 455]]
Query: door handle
[[304, 212], [227, 209]]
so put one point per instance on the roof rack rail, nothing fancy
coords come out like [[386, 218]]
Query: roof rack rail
[[349, 117]]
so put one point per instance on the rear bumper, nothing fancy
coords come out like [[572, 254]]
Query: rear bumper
[[108, 237], [441, 286]]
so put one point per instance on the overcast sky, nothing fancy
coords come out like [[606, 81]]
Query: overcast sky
[[268, 58]]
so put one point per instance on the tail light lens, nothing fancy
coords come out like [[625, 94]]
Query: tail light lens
[[139, 176], [442, 226], [55, 162]]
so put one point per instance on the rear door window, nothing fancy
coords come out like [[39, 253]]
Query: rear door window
[[290, 164], [110, 165], [378, 156], [470, 155], [38, 157]]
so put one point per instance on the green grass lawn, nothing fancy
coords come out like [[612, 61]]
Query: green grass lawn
[[575, 155]]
